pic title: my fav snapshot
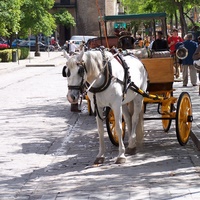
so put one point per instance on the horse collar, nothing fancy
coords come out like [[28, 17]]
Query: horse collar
[[108, 76]]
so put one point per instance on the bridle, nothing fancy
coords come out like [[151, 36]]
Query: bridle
[[81, 72]]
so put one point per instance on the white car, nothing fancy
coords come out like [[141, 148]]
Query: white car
[[79, 38]]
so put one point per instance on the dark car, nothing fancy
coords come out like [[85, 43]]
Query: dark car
[[16, 42], [31, 44]]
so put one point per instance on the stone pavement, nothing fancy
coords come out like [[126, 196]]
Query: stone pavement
[[47, 152]]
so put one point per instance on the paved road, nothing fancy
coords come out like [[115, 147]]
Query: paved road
[[47, 151]]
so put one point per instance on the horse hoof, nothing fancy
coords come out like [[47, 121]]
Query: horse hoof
[[120, 160], [99, 160], [130, 151]]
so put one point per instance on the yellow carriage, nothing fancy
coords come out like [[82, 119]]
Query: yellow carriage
[[160, 88]]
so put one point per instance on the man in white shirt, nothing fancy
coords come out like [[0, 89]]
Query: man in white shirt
[[72, 48]]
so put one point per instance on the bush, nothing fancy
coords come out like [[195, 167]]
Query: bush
[[6, 55], [24, 52]]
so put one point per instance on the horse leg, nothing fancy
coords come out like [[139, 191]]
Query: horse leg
[[136, 126], [127, 117], [118, 127], [100, 157], [140, 129]]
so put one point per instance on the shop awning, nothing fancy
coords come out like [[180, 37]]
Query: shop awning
[[132, 17]]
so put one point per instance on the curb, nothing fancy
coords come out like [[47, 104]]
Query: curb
[[40, 65]]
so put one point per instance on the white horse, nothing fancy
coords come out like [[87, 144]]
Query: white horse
[[109, 90]]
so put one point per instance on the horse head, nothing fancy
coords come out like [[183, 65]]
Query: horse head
[[75, 72]]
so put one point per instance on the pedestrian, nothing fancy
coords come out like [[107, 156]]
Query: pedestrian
[[160, 44], [53, 41], [172, 41], [198, 40], [196, 58], [72, 48], [191, 46], [140, 42], [66, 46], [147, 42], [151, 43]]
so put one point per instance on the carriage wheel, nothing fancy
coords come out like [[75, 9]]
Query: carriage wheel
[[110, 125], [166, 123], [183, 118]]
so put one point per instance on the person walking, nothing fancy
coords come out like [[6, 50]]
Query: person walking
[[66, 46], [147, 42], [191, 46], [196, 58], [198, 40], [172, 41], [72, 48]]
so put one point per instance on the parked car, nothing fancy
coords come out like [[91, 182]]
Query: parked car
[[16, 42], [4, 43], [31, 44], [4, 46]]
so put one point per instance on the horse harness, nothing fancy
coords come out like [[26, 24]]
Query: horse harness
[[107, 71]]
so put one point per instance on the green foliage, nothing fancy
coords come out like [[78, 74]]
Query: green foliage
[[176, 9], [64, 18], [36, 17], [9, 16], [6, 55], [24, 52]]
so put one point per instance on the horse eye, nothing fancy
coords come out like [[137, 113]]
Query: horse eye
[[81, 71], [68, 73]]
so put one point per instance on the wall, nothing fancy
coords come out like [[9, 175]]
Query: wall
[[87, 16]]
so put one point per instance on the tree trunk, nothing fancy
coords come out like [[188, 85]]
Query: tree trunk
[[184, 29], [37, 49]]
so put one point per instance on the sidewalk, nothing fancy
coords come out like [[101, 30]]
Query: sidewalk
[[50, 59]]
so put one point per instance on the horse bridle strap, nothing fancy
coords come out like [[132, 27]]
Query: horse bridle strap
[[82, 70]]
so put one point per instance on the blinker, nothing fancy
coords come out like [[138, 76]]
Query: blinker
[[81, 71]]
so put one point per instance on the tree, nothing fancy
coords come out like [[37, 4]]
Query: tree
[[63, 17], [37, 19], [10, 14], [177, 10]]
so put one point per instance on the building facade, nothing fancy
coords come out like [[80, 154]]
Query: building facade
[[86, 14]]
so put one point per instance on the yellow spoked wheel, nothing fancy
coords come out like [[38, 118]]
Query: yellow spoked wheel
[[183, 118], [110, 125], [166, 123]]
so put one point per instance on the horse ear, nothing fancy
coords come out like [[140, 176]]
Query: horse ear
[[80, 56], [65, 54], [64, 71]]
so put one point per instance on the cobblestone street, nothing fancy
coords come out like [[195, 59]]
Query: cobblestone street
[[47, 152]]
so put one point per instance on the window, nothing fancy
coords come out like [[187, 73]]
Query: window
[[65, 2]]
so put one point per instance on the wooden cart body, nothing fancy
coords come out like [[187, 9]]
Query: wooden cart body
[[160, 73]]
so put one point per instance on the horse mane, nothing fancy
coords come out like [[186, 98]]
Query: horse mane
[[93, 62]]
